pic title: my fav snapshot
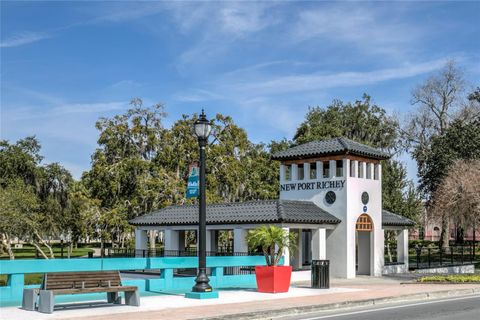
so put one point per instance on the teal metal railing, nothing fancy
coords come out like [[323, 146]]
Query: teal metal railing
[[166, 281]]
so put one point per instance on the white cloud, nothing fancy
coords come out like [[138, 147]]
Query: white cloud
[[23, 38], [321, 80], [196, 95], [369, 28]]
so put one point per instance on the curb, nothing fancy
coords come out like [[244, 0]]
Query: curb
[[268, 314]]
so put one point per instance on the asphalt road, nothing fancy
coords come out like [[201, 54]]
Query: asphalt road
[[458, 308]]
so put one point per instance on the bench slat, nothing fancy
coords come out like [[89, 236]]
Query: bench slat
[[94, 290], [74, 280]]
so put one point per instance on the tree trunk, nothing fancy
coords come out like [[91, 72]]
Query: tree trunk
[[102, 247], [45, 244], [389, 252], [445, 234], [39, 249], [8, 244], [151, 240]]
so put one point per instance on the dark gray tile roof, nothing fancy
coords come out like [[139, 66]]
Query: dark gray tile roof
[[332, 146], [392, 219], [262, 211]]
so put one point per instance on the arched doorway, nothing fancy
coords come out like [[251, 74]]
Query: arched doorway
[[363, 235]]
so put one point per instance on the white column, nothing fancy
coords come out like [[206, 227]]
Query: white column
[[294, 173], [346, 168], [306, 171], [141, 239], [319, 244], [379, 171], [333, 168], [172, 240], [355, 168], [402, 247], [364, 170], [319, 170], [370, 170], [239, 241], [208, 244], [282, 172]]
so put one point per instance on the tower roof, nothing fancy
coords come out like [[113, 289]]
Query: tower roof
[[333, 146]]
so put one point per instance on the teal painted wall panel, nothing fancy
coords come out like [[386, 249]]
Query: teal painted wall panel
[[51, 265], [15, 269]]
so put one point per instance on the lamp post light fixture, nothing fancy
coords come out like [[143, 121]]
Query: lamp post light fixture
[[202, 128]]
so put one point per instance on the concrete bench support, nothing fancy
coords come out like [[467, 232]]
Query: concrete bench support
[[29, 299], [132, 298], [46, 301], [114, 297]]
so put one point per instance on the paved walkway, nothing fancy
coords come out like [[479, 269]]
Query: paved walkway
[[175, 306]]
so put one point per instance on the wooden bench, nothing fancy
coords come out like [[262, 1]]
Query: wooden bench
[[62, 283]]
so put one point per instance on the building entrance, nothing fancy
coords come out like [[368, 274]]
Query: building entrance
[[364, 244]]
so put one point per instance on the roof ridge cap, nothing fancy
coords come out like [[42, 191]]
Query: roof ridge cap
[[280, 211], [343, 143]]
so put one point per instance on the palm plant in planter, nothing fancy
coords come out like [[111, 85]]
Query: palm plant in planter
[[273, 240]]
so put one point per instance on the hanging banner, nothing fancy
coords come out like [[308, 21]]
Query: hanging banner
[[193, 181]]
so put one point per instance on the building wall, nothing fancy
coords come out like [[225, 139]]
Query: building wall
[[347, 207]]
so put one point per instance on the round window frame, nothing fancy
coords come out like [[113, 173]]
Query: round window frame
[[329, 195], [365, 195]]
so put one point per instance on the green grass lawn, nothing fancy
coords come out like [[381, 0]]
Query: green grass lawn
[[454, 278], [28, 252]]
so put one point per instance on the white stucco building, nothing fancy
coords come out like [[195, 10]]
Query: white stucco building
[[330, 195]]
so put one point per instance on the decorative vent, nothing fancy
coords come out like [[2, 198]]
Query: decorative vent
[[364, 223]]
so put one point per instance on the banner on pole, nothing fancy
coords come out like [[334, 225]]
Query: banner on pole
[[193, 183]]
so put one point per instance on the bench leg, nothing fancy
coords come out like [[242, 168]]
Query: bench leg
[[114, 297], [132, 298], [29, 299], [46, 301]]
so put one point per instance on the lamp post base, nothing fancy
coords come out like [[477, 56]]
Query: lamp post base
[[202, 280], [202, 295]]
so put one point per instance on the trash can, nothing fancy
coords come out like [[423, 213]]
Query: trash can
[[321, 274], [90, 254]]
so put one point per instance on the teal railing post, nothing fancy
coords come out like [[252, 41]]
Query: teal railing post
[[217, 272], [16, 282], [167, 276]]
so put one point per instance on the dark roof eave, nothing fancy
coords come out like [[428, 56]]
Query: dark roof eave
[[237, 222], [317, 154]]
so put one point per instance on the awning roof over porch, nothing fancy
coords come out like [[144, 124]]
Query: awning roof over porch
[[395, 220], [252, 212]]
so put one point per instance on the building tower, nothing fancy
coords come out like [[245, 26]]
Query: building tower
[[342, 177]]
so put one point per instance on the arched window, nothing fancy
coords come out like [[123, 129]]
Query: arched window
[[364, 223]]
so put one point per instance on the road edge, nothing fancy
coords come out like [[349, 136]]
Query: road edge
[[264, 314]]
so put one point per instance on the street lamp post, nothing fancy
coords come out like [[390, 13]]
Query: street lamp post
[[202, 130]]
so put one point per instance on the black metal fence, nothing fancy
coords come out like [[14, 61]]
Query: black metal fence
[[189, 252], [421, 257], [432, 257]]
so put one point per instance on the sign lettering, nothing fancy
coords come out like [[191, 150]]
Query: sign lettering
[[192, 183], [319, 185]]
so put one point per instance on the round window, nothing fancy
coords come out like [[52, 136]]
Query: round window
[[330, 197], [365, 198]]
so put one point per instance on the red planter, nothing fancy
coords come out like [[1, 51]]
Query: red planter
[[273, 279]]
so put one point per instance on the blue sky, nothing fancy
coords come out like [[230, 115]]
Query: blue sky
[[65, 64]]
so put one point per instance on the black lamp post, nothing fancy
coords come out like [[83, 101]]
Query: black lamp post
[[202, 130]]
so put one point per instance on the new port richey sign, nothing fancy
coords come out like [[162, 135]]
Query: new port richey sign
[[317, 185]]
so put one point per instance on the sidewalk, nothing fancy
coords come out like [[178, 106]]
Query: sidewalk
[[252, 304]]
